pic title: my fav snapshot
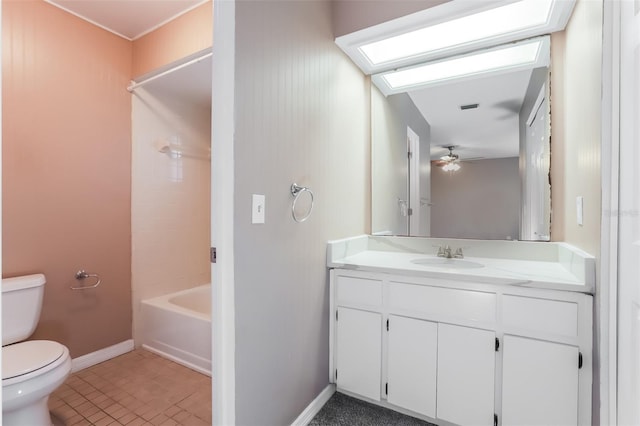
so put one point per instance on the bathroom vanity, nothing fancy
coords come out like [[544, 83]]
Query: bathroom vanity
[[501, 337]]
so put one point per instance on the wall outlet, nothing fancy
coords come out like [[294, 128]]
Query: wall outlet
[[257, 208]]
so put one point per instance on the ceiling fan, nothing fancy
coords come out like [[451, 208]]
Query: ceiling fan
[[450, 161]]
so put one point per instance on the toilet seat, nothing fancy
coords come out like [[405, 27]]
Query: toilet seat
[[26, 360]]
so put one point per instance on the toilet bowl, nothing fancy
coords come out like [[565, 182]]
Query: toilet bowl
[[33, 369]]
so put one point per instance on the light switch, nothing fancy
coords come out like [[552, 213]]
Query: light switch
[[257, 208], [579, 209]]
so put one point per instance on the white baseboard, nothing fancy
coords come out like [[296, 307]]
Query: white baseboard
[[316, 405], [93, 358], [196, 366]]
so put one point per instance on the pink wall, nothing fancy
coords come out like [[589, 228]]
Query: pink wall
[[186, 35], [66, 184]]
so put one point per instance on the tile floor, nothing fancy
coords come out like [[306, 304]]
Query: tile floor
[[138, 388]]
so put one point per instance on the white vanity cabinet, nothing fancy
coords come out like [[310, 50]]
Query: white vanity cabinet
[[462, 353], [466, 369], [549, 371], [412, 362], [359, 351], [358, 334]]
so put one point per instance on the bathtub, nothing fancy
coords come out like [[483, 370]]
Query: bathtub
[[178, 326]]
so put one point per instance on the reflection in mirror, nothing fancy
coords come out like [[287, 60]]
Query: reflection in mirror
[[465, 158]]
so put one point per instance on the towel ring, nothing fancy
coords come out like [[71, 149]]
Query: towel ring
[[81, 275], [296, 191]]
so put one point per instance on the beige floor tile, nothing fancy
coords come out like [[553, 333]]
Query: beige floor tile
[[97, 416], [138, 421], [181, 416], [171, 411], [159, 419], [136, 389], [105, 421], [128, 418]]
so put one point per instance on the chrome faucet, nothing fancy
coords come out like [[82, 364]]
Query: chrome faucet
[[445, 251]]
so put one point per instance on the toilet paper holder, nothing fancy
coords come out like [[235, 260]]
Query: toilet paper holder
[[81, 275]]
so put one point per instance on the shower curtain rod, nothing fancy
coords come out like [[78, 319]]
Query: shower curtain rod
[[134, 85]]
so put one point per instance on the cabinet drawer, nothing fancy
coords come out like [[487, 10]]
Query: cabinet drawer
[[540, 315], [441, 302], [353, 291]]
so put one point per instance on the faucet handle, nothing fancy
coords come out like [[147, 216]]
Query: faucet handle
[[458, 254], [441, 251]]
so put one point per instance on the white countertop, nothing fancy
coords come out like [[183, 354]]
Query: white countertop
[[541, 272]]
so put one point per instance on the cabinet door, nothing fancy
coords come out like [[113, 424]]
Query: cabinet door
[[466, 367], [359, 352], [539, 383], [412, 358]]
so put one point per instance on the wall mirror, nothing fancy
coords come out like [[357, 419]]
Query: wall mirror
[[463, 156], [460, 118]]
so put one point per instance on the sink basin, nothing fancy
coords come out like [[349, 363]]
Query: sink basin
[[441, 262]]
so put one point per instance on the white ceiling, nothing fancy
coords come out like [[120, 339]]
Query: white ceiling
[[129, 19], [490, 131]]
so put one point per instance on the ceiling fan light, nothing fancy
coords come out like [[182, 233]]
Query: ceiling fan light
[[451, 167]]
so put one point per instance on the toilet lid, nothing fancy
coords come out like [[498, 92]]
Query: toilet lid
[[25, 357]]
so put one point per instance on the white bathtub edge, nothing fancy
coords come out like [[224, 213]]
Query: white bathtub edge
[[164, 303], [316, 405], [105, 354], [177, 360]]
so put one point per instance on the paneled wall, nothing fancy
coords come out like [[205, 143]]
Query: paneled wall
[[576, 73], [302, 115], [576, 94], [66, 160], [66, 181]]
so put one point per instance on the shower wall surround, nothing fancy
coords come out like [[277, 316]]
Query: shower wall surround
[[170, 209]]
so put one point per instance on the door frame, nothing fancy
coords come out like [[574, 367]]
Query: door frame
[[607, 296], [222, 210], [413, 148]]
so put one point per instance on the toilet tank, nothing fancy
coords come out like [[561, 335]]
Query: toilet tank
[[21, 304]]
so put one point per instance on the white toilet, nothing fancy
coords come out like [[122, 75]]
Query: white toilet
[[30, 370]]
